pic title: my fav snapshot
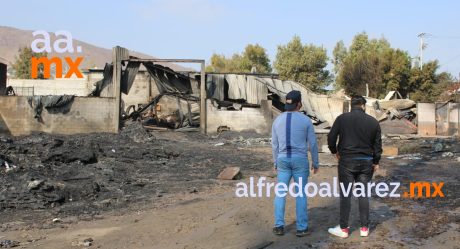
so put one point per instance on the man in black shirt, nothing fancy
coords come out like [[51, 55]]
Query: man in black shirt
[[358, 152]]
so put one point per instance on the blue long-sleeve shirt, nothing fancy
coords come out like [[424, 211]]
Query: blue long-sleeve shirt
[[292, 135]]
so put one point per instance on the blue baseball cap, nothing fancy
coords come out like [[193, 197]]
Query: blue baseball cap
[[292, 98]]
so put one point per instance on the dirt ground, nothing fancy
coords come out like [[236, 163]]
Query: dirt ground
[[144, 189]]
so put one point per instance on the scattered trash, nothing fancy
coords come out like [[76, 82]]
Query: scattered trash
[[251, 141], [416, 156], [8, 243], [438, 147], [57, 220], [447, 154], [230, 173], [221, 129], [88, 242], [219, 144], [8, 167], [35, 184]]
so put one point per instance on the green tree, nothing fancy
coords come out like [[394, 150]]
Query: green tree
[[305, 64], [426, 85], [371, 62], [22, 64], [396, 71], [254, 56], [338, 55], [218, 63]]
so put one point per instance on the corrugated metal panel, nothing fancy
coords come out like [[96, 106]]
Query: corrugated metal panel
[[271, 86], [255, 90], [236, 86], [280, 86], [215, 85]]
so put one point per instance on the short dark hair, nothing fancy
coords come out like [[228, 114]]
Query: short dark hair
[[357, 100]]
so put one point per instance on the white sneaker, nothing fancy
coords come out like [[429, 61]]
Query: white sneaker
[[337, 231], [364, 231]]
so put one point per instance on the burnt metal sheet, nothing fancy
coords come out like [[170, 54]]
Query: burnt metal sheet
[[128, 76], [322, 107], [236, 86], [215, 86], [255, 90]]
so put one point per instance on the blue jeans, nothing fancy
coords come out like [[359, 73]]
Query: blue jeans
[[296, 168]]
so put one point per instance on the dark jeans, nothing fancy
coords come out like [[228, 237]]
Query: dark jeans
[[352, 170]]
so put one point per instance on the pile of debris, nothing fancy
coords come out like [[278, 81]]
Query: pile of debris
[[396, 116], [69, 173]]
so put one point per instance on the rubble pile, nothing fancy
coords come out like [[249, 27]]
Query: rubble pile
[[80, 171], [84, 175]]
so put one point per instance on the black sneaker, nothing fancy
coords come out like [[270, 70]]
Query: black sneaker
[[301, 233], [278, 230]]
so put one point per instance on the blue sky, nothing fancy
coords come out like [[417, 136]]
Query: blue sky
[[197, 28]]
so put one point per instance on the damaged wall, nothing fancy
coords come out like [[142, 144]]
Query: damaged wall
[[248, 119], [141, 92], [86, 115], [438, 119], [78, 87]]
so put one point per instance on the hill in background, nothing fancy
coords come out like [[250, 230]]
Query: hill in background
[[11, 39]]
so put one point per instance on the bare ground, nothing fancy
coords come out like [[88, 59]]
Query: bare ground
[[138, 191]]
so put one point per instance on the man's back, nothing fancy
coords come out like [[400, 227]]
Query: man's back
[[359, 136], [292, 132]]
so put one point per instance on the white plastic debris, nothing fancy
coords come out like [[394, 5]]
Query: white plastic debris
[[447, 154]]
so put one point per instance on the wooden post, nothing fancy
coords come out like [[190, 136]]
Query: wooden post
[[203, 100], [118, 54]]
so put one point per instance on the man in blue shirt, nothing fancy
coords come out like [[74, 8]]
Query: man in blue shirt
[[293, 135]]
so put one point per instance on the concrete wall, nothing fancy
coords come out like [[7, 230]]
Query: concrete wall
[[248, 119], [438, 119], [78, 87], [426, 119], [86, 115], [454, 119], [143, 89], [169, 104]]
